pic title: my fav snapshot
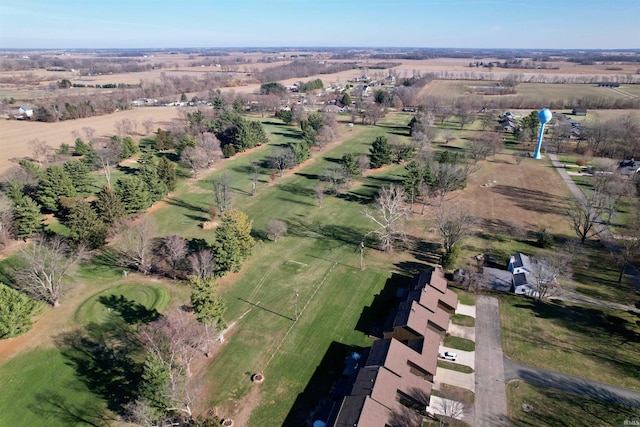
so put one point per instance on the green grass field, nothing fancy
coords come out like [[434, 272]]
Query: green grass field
[[551, 408], [463, 320], [130, 301], [585, 341], [455, 367], [41, 388], [318, 260], [460, 343]]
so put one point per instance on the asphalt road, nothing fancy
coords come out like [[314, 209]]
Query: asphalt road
[[491, 398], [582, 386]]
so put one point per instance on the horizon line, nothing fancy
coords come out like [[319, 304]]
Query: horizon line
[[311, 47]]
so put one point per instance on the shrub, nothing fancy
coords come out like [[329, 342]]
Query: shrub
[[545, 239], [16, 312], [228, 151], [449, 259]]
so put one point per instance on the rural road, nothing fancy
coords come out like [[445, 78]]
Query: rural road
[[582, 386], [491, 398]]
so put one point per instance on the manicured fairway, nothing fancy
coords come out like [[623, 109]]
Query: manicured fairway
[[125, 300]]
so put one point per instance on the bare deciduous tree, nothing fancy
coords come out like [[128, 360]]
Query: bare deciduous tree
[[451, 404], [324, 136], [124, 127], [625, 248], [283, 158], [174, 341], [193, 158], [41, 151], [148, 126], [254, 177], [584, 216], [363, 163], [210, 146], [47, 262], [89, 132], [202, 263], [222, 194], [107, 155], [276, 229], [136, 244], [546, 271], [179, 333], [453, 224], [388, 214], [447, 178], [336, 176], [448, 136], [320, 190], [174, 250]]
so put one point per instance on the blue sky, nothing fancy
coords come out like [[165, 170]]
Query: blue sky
[[562, 24]]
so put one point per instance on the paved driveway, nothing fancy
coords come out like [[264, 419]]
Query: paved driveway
[[467, 332], [467, 310], [491, 399], [467, 358], [458, 379]]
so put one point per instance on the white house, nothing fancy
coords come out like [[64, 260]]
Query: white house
[[521, 286], [519, 263], [521, 280]]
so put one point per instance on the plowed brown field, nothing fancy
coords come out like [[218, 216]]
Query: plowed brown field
[[15, 135]]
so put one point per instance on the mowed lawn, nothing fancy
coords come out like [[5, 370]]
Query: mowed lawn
[[42, 383], [318, 259], [41, 387], [586, 341], [549, 407]]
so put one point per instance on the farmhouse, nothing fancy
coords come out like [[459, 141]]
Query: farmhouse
[[396, 379], [22, 113]]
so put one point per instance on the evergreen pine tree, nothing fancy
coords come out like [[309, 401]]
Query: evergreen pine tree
[[167, 173], [85, 226], [27, 218], [78, 171], [133, 194], [380, 153], [208, 307], [233, 243], [55, 182], [109, 206]]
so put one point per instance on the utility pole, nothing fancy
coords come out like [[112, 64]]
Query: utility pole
[[362, 255], [297, 295]]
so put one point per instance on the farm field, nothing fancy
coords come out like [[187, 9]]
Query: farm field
[[16, 134]]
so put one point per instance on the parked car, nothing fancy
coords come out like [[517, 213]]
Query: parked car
[[447, 355]]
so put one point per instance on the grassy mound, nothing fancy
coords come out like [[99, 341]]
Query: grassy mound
[[134, 303]]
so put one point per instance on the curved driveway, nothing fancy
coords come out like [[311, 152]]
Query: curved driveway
[[604, 392]]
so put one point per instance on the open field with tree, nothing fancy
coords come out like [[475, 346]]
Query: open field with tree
[[551, 407], [306, 296], [586, 341]]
